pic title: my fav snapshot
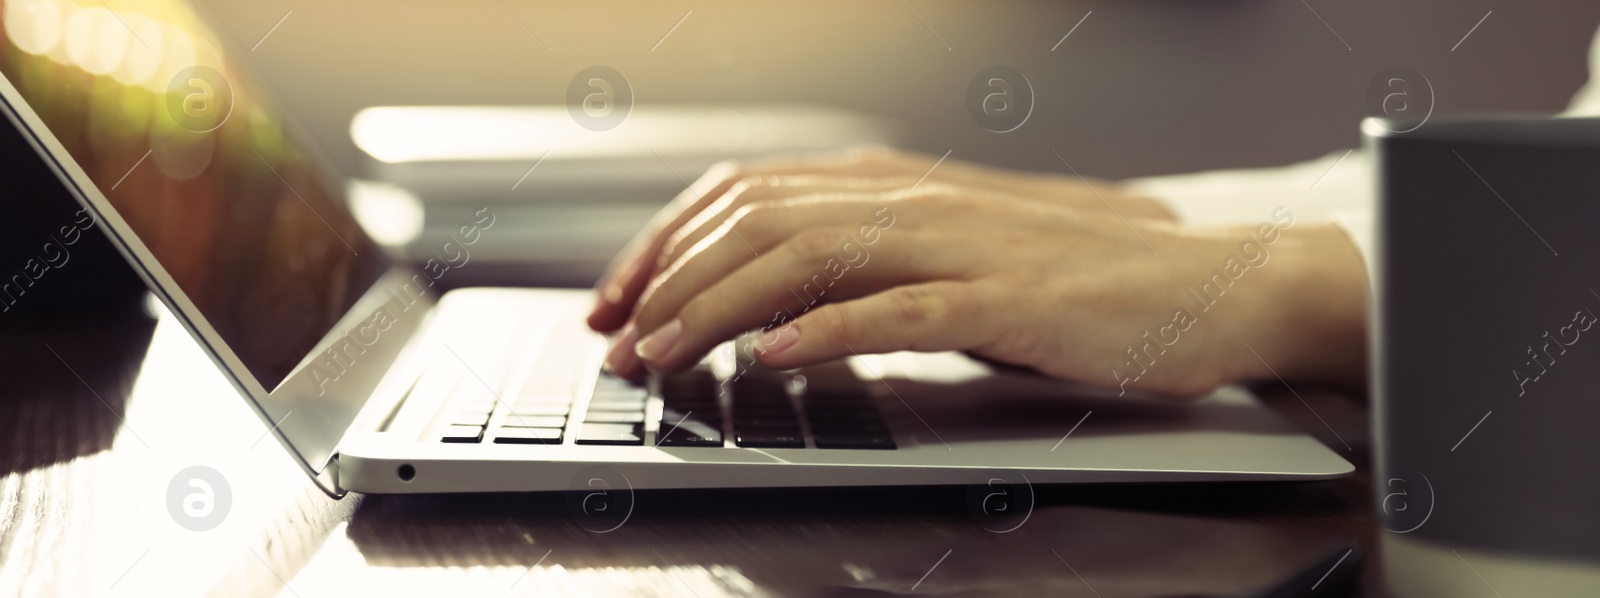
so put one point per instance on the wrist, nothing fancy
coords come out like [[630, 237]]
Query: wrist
[[1315, 312]]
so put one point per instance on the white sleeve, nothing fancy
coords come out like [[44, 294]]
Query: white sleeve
[[1337, 187], [1587, 101], [1361, 227]]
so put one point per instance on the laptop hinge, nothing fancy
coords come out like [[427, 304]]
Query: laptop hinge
[[328, 480]]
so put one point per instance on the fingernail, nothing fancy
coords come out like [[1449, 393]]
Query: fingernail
[[621, 359], [777, 340], [660, 343]]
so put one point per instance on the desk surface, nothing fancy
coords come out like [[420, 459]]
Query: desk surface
[[92, 437]]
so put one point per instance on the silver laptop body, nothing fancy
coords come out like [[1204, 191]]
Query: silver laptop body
[[377, 383]]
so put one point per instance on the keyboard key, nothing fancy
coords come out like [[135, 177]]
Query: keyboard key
[[865, 426], [484, 405], [769, 438], [472, 389], [540, 410], [783, 410], [849, 427], [690, 432], [463, 434], [842, 411], [854, 414], [856, 391], [611, 434], [534, 421], [543, 403], [854, 441], [687, 436], [528, 436], [613, 396], [696, 387], [615, 404], [859, 414], [470, 418], [766, 422], [697, 406], [614, 417], [608, 382], [546, 387], [616, 389], [763, 407], [694, 377], [543, 399], [835, 375], [671, 413], [760, 386], [839, 400], [710, 416]]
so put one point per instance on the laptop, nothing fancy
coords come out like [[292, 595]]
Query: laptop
[[376, 381]]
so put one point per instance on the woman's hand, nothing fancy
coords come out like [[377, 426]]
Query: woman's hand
[[1026, 270], [730, 186]]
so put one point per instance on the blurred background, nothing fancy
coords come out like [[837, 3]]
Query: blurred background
[[1138, 88], [1141, 87]]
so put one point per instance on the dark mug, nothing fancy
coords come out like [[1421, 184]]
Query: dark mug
[[1486, 356]]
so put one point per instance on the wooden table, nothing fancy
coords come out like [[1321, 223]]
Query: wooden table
[[98, 417]]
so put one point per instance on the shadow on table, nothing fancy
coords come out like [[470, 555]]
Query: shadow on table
[[872, 541], [67, 382], [84, 305]]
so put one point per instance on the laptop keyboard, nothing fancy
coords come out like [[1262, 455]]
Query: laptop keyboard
[[823, 408]]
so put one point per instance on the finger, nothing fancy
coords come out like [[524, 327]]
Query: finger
[[615, 285], [814, 266], [765, 190], [947, 169], [1055, 188], [759, 229], [626, 278], [935, 316]]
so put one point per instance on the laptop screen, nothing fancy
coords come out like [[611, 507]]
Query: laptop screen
[[198, 164]]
